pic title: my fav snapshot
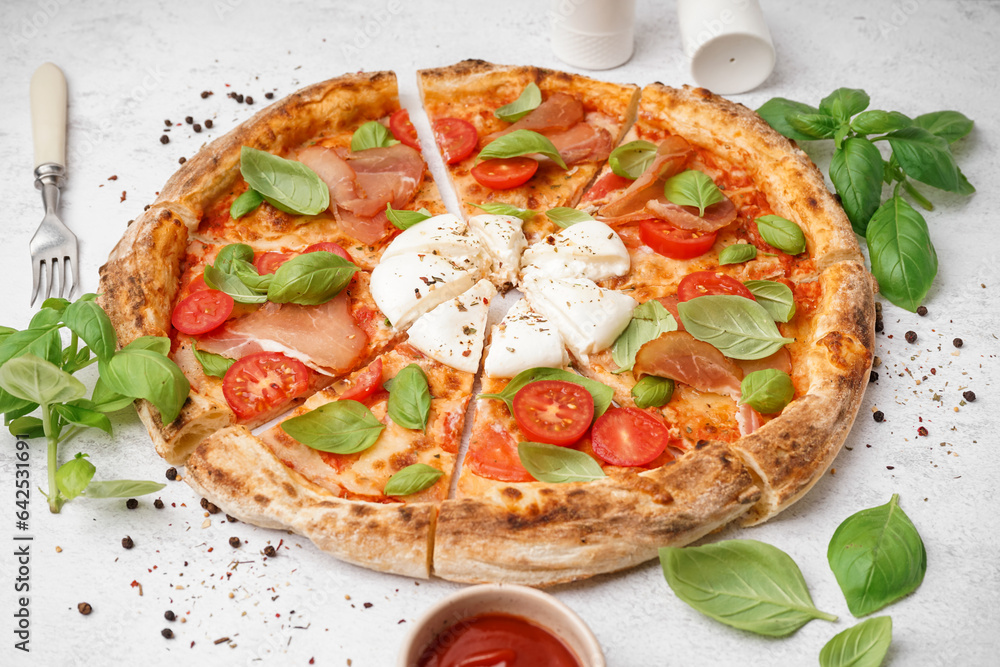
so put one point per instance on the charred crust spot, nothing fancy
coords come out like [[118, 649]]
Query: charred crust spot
[[512, 493], [406, 513], [361, 509], [545, 491], [290, 490], [812, 202], [261, 500], [701, 444], [576, 493]]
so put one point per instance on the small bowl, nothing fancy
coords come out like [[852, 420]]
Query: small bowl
[[528, 603]]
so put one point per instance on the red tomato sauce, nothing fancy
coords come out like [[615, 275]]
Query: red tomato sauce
[[497, 639]]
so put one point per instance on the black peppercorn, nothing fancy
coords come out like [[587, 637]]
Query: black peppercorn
[[188, 120], [164, 139], [167, 123], [879, 326], [270, 551], [239, 98], [269, 96], [209, 122], [181, 161], [127, 542], [205, 93], [84, 608], [204, 503], [158, 504], [131, 503], [249, 100], [235, 542], [196, 127], [921, 310], [873, 377], [911, 336], [878, 415], [231, 519], [167, 633], [957, 342], [169, 615], [172, 472], [969, 396]]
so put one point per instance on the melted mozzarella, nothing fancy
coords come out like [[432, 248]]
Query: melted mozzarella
[[454, 331], [443, 235], [524, 339], [588, 249], [406, 286], [503, 241]]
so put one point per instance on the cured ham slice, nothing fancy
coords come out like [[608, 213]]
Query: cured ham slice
[[332, 170], [558, 113], [582, 143], [324, 337], [671, 155], [716, 216], [680, 356]]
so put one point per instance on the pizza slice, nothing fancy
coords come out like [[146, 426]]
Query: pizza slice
[[526, 137]]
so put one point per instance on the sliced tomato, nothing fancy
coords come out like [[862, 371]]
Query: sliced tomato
[[365, 383], [402, 128], [197, 284], [702, 283], [202, 311], [456, 138], [629, 437], [270, 261], [493, 454], [504, 173], [553, 411], [329, 246], [675, 243], [605, 185], [259, 382]]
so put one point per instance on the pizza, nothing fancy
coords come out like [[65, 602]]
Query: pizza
[[648, 320]]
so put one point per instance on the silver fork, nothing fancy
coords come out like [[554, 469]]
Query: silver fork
[[53, 246]]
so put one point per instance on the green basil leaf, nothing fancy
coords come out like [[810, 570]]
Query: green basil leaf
[[856, 170], [649, 320], [842, 131], [27, 428], [767, 391], [158, 344], [32, 340], [781, 233], [777, 110], [89, 321], [34, 379], [737, 253], [75, 414], [229, 254], [844, 103], [602, 393], [499, 208], [876, 121], [311, 279], [412, 479], [949, 125], [248, 275], [815, 125], [743, 583], [693, 188], [736, 326], [48, 346], [555, 465], [245, 203], [527, 101], [341, 427], [925, 157], [148, 374], [402, 219], [212, 364], [232, 285], [410, 398], [632, 159], [652, 392], [902, 257], [863, 645], [566, 217], [121, 488], [289, 185], [372, 134], [105, 400], [964, 187], [776, 298], [877, 556], [73, 476], [521, 142]]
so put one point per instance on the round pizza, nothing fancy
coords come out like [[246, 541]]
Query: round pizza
[[648, 320]]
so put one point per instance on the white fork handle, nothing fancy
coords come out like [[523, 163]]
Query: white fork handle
[[48, 115]]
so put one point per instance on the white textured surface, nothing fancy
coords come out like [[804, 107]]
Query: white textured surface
[[132, 66]]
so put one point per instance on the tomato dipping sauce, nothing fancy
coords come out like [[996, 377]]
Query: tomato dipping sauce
[[497, 640]]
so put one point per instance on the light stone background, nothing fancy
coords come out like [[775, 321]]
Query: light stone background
[[132, 65]]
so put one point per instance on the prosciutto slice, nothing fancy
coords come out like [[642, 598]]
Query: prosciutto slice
[[716, 216], [671, 155], [558, 113], [680, 356], [583, 143], [332, 170], [324, 337]]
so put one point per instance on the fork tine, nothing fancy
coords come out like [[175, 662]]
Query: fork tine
[[52, 277], [36, 269], [63, 261], [74, 274]]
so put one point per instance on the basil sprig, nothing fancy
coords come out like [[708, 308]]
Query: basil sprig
[[410, 398], [877, 556], [412, 479], [287, 185], [245, 203], [737, 253], [566, 217], [767, 391], [232, 285], [632, 159], [527, 101], [339, 427], [781, 233], [649, 320], [601, 393], [736, 326], [920, 151], [693, 188], [212, 364], [557, 465], [500, 208], [652, 392], [372, 134], [310, 279], [403, 219], [743, 583], [521, 142], [863, 645], [776, 298]]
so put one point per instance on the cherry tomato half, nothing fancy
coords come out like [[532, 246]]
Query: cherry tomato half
[[456, 138], [259, 382], [675, 243], [202, 311], [197, 284], [270, 261], [629, 437], [364, 384], [553, 411], [402, 128], [504, 173], [493, 454], [702, 283], [605, 185], [329, 246]]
